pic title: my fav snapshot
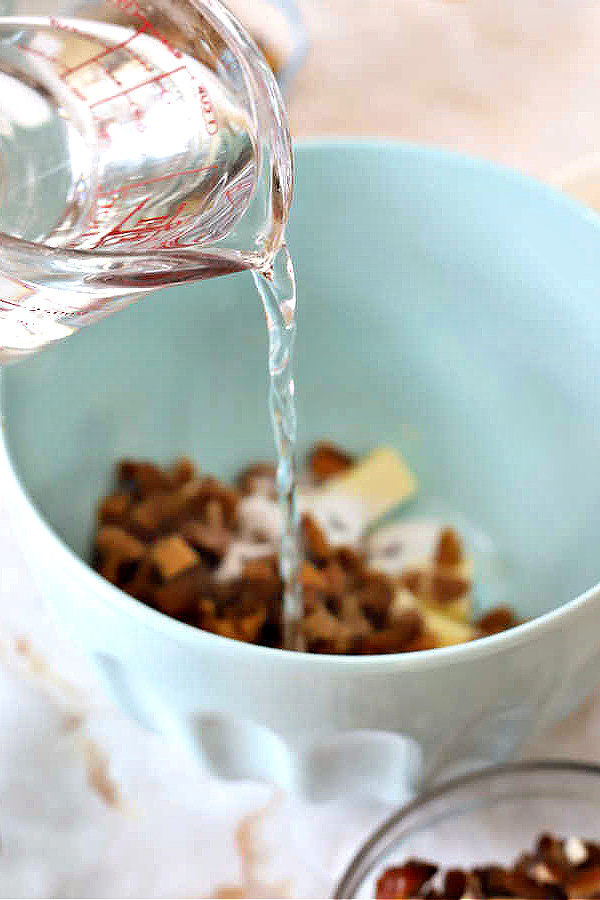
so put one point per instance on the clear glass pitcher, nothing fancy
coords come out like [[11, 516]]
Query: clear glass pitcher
[[142, 143]]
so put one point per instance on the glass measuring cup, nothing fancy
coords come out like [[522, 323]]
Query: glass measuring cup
[[141, 144]]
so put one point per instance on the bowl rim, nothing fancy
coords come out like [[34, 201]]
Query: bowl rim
[[96, 586], [358, 868]]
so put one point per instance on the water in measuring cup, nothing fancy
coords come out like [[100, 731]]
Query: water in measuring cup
[[110, 142], [110, 138]]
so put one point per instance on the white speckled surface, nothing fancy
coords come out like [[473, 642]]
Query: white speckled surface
[[518, 82]]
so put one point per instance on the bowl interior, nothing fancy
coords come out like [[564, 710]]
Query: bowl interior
[[445, 307]]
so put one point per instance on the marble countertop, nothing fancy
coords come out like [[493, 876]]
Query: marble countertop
[[91, 805]]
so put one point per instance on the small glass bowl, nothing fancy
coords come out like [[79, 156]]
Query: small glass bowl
[[492, 816]]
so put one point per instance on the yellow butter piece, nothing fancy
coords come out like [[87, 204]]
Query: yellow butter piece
[[381, 481], [445, 630], [460, 609]]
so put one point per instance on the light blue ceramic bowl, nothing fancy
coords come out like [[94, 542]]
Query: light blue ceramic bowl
[[445, 306]]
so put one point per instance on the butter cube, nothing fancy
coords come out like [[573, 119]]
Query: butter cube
[[382, 481]]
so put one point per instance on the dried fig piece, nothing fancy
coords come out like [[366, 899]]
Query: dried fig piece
[[146, 518], [146, 478], [449, 550], [376, 595], [211, 541], [112, 540], [336, 578], [583, 882], [172, 556], [253, 593], [394, 638], [501, 882], [446, 587], [258, 478], [316, 544], [411, 580], [455, 884], [324, 633], [327, 460], [351, 562], [262, 567], [114, 508], [473, 888], [312, 578], [404, 881], [249, 628], [190, 501], [425, 640], [177, 597], [183, 470], [496, 620]]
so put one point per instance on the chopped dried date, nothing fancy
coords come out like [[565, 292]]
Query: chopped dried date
[[116, 541], [498, 619], [183, 470], [177, 597], [376, 596], [312, 578], [583, 882], [316, 544], [211, 541], [113, 509], [455, 883], [146, 518], [258, 478], [146, 478], [177, 543], [394, 638], [404, 881], [448, 551], [326, 460], [171, 556], [556, 870]]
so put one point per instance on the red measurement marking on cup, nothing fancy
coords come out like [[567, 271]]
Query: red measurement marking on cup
[[181, 172], [208, 111], [35, 51], [142, 229], [238, 194], [132, 7], [135, 87], [106, 52]]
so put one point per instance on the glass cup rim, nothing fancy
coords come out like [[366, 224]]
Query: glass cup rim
[[364, 858]]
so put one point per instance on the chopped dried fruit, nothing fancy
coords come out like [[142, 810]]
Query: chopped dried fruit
[[114, 540], [404, 881], [259, 479], [448, 551], [556, 870], [172, 556], [200, 551], [113, 509], [327, 460], [212, 542], [147, 478], [311, 577], [499, 619], [183, 471], [316, 545]]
